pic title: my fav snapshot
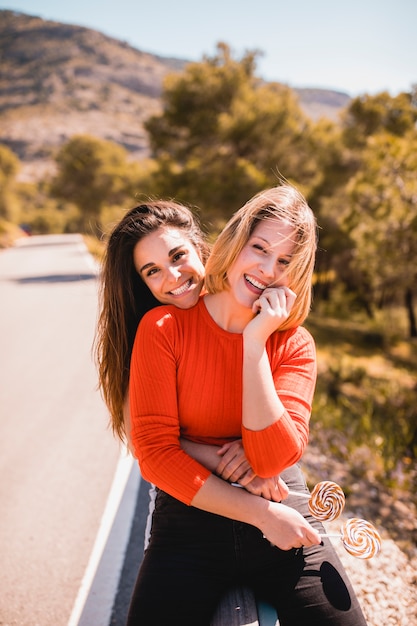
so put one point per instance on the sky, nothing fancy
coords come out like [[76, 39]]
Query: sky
[[357, 47]]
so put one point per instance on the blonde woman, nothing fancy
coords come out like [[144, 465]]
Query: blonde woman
[[238, 364]]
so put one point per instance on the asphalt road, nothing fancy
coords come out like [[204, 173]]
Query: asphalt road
[[57, 457]]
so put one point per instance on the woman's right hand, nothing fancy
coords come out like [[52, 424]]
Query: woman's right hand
[[235, 468], [270, 488], [233, 465], [286, 528]]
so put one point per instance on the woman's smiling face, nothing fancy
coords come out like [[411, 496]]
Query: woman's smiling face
[[263, 261], [170, 266]]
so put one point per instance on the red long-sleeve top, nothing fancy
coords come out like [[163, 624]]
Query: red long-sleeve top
[[186, 381]]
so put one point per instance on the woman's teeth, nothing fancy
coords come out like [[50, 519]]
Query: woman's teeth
[[255, 283], [182, 289]]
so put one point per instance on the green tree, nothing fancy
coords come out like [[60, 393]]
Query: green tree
[[91, 172], [369, 115], [372, 128], [224, 134], [382, 220], [9, 167]]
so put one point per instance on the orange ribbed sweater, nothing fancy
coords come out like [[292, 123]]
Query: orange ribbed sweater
[[186, 381]]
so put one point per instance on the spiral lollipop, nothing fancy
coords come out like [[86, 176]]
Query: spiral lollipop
[[359, 537], [326, 501]]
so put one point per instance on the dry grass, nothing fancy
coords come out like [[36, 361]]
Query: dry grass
[[364, 423]]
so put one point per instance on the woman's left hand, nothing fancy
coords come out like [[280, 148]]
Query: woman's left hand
[[272, 309]]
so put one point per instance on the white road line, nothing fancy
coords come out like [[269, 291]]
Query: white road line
[[126, 468]]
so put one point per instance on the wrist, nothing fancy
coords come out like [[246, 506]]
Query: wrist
[[259, 511], [253, 346]]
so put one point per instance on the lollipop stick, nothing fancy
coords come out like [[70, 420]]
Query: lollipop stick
[[300, 494]]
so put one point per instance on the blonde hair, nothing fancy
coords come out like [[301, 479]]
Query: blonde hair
[[284, 203]]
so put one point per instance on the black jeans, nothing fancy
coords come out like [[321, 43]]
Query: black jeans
[[194, 557]]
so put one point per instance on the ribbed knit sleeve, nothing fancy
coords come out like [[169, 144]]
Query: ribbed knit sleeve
[[154, 408], [292, 356]]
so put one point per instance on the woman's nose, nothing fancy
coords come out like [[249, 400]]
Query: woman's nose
[[267, 267], [174, 273]]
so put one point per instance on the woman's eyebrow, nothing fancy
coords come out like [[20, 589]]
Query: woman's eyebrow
[[146, 266], [271, 246], [152, 263], [174, 250]]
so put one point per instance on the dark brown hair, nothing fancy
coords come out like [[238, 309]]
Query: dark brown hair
[[124, 297]]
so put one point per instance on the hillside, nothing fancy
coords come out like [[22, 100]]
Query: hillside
[[57, 80]]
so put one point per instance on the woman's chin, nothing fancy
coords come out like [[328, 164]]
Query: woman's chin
[[188, 300]]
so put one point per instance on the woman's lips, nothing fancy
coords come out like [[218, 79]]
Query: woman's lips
[[184, 287]]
